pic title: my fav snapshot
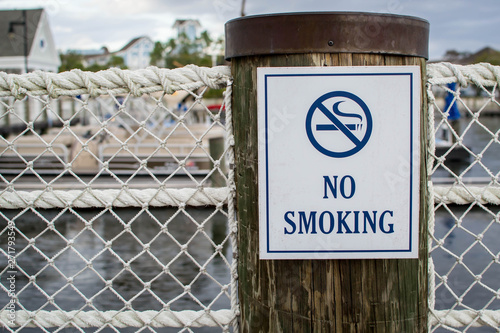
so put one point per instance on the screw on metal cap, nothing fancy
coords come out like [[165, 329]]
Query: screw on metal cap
[[327, 32]]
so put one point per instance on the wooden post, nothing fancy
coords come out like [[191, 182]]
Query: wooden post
[[364, 295]]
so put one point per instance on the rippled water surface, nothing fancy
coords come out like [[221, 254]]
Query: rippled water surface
[[165, 250]]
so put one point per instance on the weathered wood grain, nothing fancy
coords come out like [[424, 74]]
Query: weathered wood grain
[[375, 295]]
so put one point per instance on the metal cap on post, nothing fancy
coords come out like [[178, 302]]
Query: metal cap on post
[[296, 33], [355, 295]]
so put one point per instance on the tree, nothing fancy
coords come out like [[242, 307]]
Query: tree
[[73, 60], [184, 51], [116, 61], [205, 39], [95, 68], [70, 60], [488, 55], [157, 55], [455, 56]]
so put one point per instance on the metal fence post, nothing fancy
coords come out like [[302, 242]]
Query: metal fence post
[[376, 295]]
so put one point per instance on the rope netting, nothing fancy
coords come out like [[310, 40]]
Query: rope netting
[[464, 226], [117, 193], [116, 201]]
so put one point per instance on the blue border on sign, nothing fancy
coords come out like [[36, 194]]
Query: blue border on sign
[[409, 249]]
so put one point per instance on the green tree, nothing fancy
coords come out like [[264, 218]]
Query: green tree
[[205, 39], [171, 44], [95, 68], [116, 61], [492, 58], [70, 60], [180, 60], [183, 51], [157, 55]]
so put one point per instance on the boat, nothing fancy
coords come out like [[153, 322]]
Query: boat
[[160, 134], [448, 147]]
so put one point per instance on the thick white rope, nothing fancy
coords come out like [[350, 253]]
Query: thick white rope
[[431, 151], [114, 80], [462, 195], [231, 205], [118, 319], [460, 318], [194, 197], [482, 74], [114, 198]]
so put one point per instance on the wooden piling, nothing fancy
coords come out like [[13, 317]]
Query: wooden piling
[[363, 295]]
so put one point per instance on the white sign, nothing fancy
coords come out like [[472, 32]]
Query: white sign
[[339, 157]]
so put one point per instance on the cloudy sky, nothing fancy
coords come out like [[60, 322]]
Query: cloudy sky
[[464, 25]]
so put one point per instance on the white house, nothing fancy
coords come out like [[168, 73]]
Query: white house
[[26, 42], [90, 57], [136, 54], [189, 28]]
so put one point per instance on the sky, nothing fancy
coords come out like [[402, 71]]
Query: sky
[[462, 25]]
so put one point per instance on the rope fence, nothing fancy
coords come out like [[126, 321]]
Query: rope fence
[[464, 226], [134, 226], [131, 198]]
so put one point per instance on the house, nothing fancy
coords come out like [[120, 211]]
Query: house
[[135, 54], [90, 57], [188, 28], [26, 42], [188, 37]]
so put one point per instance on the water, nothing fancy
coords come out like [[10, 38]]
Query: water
[[89, 283], [478, 259]]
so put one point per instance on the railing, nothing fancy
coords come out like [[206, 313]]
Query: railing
[[123, 228], [137, 236], [464, 226]]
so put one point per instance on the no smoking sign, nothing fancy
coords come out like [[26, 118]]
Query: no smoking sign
[[339, 162], [342, 133]]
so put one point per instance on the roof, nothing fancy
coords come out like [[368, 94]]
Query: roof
[[104, 52], [182, 22], [15, 47], [94, 52], [132, 42]]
